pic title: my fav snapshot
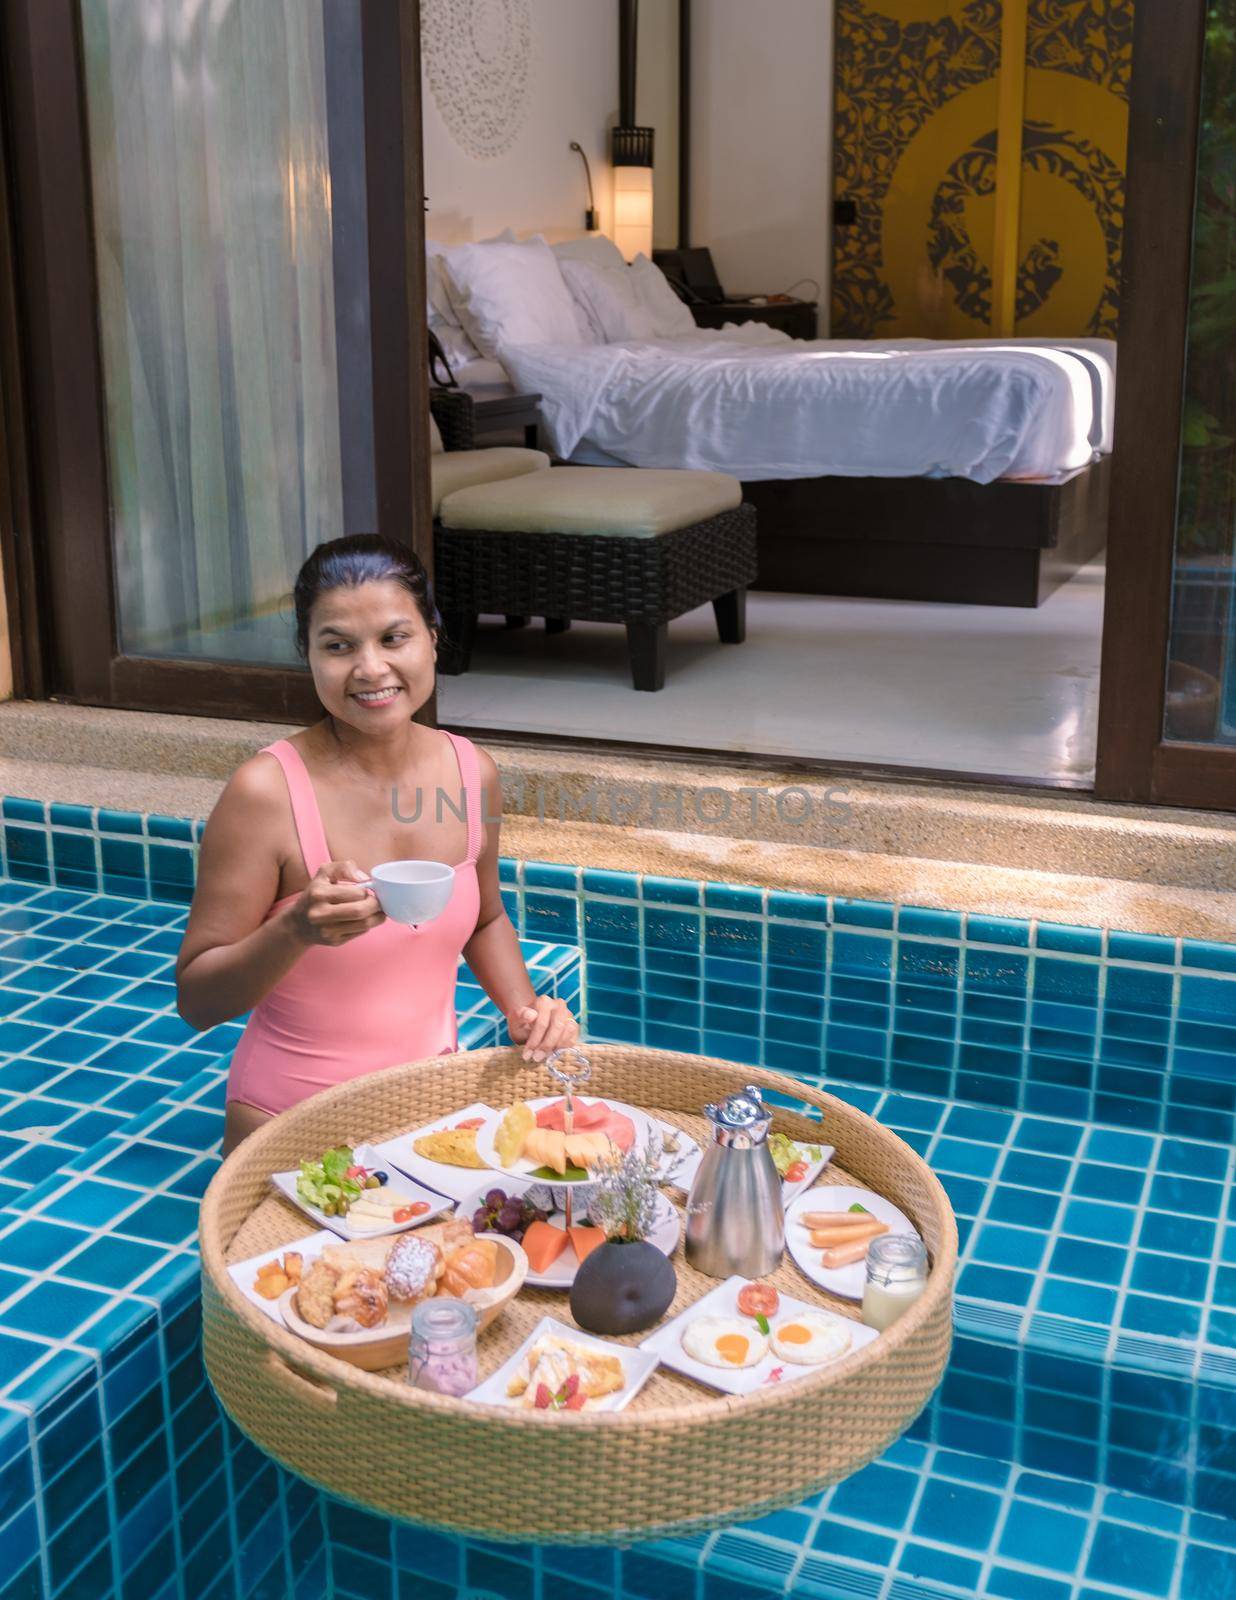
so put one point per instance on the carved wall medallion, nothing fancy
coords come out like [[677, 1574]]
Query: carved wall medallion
[[478, 60]]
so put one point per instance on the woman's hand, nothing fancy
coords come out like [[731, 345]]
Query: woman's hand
[[545, 1025], [336, 906]]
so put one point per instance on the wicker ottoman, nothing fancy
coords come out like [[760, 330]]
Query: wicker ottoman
[[630, 545]]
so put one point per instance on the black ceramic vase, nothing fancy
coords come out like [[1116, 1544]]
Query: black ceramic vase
[[622, 1287]]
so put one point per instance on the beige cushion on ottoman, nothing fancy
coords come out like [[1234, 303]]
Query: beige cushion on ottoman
[[631, 501], [451, 471]]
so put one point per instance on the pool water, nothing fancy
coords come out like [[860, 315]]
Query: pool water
[[1075, 1090]]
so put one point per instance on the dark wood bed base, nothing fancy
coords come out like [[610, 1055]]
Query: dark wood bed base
[[947, 539]]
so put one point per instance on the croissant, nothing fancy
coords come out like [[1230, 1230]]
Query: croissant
[[362, 1295], [473, 1267]]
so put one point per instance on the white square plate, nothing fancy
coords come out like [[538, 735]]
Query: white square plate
[[366, 1155], [666, 1342], [637, 1364], [457, 1182], [243, 1273]]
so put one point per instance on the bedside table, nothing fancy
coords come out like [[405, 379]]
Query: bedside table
[[498, 408], [798, 318]]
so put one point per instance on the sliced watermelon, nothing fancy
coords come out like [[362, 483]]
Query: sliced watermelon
[[593, 1116]]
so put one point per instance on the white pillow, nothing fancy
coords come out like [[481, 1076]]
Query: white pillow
[[510, 294], [608, 295], [597, 249], [670, 317], [440, 313]]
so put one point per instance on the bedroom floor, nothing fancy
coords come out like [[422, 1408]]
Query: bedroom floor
[[986, 690]]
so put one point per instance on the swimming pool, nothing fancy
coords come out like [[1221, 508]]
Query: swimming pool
[[1075, 1090]]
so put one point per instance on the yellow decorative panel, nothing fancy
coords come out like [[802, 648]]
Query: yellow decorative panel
[[983, 147]]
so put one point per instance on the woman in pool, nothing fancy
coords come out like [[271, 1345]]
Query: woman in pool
[[282, 922]]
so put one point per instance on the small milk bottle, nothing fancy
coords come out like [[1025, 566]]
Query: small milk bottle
[[896, 1276]]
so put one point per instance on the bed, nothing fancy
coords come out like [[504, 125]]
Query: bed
[[972, 471]]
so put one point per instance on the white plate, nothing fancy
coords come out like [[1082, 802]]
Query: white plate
[[791, 1191], [722, 1301], [561, 1273], [844, 1281], [243, 1273], [692, 1155], [638, 1365], [438, 1175], [365, 1155], [645, 1130]]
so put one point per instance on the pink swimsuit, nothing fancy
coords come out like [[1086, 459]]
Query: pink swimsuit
[[385, 997]]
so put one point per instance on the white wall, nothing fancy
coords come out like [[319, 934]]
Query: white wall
[[761, 142], [537, 186]]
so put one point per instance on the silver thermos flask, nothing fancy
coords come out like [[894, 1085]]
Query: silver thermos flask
[[735, 1214]]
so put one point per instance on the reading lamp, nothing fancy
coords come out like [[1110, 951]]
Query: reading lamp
[[591, 220], [632, 156]]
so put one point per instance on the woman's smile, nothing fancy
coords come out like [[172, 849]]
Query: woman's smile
[[377, 697]]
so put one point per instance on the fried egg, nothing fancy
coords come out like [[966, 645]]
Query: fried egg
[[809, 1339], [724, 1342]]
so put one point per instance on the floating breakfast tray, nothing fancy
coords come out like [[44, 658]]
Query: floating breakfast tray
[[677, 1457]]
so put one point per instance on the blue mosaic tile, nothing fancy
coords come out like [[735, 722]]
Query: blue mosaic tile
[[797, 1005]]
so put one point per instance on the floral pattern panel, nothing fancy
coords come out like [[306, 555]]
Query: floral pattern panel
[[915, 138]]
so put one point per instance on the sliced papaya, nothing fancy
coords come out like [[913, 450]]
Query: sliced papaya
[[543, 1245], [586, 1239]]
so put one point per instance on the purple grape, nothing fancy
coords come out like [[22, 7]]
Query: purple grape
[[495, 1198], [510, 1217], [480, 1220]]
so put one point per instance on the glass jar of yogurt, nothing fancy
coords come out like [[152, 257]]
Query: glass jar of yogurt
[[896, 1276], [442, 1347]]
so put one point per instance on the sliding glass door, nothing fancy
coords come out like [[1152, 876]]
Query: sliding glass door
[[1168, 709], [258, 378]]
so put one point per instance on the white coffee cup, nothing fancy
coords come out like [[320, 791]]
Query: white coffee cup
[[412, 891]]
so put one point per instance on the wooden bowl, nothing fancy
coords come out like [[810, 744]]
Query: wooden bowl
[[372, 1349]]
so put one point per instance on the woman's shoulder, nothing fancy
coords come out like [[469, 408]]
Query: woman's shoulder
[[486, 766], [256, 790]]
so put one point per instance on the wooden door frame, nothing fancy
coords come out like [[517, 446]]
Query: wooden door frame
[[1135, 762], [70, 590]]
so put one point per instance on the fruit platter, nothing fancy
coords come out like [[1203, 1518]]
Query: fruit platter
[[678, 1422]]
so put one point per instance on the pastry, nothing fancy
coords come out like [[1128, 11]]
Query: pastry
[[315, 1299], [552, 1360], [362, 1295], [413, 1267], [475, 1266]]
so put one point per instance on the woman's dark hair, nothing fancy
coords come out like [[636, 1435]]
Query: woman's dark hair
[[355, 559]]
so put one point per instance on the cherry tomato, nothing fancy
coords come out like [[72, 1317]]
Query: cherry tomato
[[758, 1299], [471, 1122], [403, 1214], [796, 1171]]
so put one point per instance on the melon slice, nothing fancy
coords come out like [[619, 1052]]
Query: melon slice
[[543, 1245]]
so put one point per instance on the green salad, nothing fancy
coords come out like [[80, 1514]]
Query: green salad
[[330, 1183], [786, 1154]]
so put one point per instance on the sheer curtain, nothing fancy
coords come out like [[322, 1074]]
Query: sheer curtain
[[212, 216]]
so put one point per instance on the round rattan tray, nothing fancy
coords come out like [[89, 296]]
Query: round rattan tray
[[679, 1456]]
